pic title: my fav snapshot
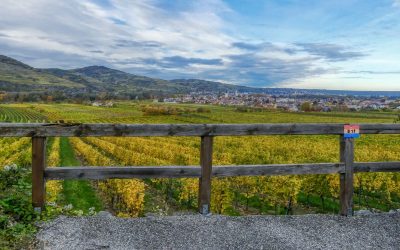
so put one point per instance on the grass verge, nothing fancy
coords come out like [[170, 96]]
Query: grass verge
[[79, 193]]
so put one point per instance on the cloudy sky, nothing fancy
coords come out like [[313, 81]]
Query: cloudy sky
[[332, 44]]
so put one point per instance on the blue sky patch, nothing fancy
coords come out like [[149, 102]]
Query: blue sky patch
[[341, 44]]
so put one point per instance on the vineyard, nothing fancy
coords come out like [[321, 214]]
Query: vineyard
[[232, 196]]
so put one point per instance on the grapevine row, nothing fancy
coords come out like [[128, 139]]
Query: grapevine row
[[125, 196]]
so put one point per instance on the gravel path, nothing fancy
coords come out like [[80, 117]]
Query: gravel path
[[377, 231]]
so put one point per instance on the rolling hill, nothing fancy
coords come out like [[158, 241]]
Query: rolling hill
[[16, 76]]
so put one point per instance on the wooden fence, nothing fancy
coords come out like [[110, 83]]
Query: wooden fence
[[345, 168]]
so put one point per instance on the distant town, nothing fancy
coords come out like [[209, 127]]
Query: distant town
[[291, 102]]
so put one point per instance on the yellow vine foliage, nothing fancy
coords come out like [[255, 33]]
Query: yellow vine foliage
[[125, 196], [383, 187], [221, 195], [189, 192], [15, 150], [54, 187]]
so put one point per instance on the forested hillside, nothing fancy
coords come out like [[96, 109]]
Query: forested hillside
[[20, 82], [16, 76]]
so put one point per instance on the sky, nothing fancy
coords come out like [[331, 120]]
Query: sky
[[331, 44]]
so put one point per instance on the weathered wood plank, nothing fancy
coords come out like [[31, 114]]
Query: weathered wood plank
[[81, 130], [377, 167], [190, 171], [278, 169], [206, 152], [379, 128], [346, 178], [99, 173], [38, 167]]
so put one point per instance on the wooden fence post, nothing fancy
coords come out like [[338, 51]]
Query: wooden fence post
[[206, 150], [346, 178], [38, 166]]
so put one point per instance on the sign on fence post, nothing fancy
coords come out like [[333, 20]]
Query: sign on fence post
[[346, 178], [351, 131]]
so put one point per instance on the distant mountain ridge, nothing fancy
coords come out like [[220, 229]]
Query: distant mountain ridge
[[11, 61], [16, 76]]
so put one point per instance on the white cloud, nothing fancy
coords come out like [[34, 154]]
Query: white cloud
[[347, 82], [143, 37], [82, 26]]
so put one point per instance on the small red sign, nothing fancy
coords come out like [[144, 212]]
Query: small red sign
[[351, 131]]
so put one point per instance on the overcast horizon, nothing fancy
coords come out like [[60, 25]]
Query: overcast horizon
[[347, 45]]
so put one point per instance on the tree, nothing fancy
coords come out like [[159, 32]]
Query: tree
[[306, 107], [3, 96], [397, 120]]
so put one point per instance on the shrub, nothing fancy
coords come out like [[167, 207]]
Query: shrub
[[17, 216], [242, 109], [16, 212], [161, 110], [203, 110]]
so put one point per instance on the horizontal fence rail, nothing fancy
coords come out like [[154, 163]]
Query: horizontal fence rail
[[346, 167], [99, 173], [82, 130]]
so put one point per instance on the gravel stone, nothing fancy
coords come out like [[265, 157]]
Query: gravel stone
[[362, 212], [375, 231], [104, 214]]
